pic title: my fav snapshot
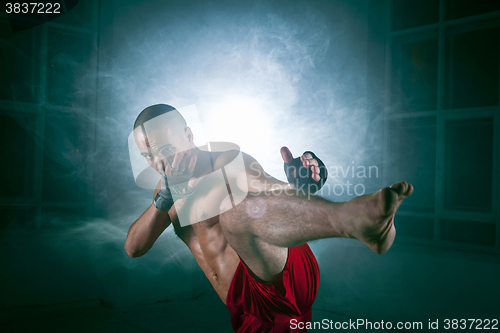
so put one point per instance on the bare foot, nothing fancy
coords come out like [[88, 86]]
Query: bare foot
[[372, 216]]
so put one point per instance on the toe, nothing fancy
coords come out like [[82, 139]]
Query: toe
[[403, 190], [389, 200], [400, 188], [409, 191]]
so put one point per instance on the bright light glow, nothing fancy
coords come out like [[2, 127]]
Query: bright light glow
[[241, 120]]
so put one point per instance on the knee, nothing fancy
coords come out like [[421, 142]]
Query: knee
[[243, 217], [231, 218]]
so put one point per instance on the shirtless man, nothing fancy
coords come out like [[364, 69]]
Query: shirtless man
[[260, 266]]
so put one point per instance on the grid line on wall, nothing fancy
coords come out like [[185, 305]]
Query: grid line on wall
[[38, 108], [442, 114]]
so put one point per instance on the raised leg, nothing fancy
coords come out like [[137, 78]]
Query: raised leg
[[262, 227]]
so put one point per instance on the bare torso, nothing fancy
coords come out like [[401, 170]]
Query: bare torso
[[212, 253], [205, 239]]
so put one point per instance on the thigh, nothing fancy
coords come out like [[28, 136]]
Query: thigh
[[265, 260]]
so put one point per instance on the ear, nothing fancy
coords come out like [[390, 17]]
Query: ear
[[189, 134]]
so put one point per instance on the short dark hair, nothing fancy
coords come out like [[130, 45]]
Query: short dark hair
[[151, 112]]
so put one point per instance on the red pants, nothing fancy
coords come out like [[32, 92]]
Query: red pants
[[259, 307]]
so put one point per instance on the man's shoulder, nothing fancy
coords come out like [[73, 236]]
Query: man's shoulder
[[226, 157]]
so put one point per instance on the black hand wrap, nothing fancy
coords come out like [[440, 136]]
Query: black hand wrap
[[303, 180], [166, 197]]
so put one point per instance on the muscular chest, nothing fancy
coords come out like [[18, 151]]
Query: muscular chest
[[204, 238]]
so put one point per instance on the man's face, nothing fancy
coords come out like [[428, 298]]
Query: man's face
[[160, 142]]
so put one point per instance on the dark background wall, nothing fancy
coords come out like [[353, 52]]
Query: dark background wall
[[409, 90]]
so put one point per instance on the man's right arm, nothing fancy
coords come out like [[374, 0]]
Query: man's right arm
[[143, 233]]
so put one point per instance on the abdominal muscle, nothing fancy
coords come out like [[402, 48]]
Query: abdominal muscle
[[205, 239], [213, 254]]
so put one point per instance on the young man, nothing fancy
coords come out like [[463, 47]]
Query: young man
[[254, 250]]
